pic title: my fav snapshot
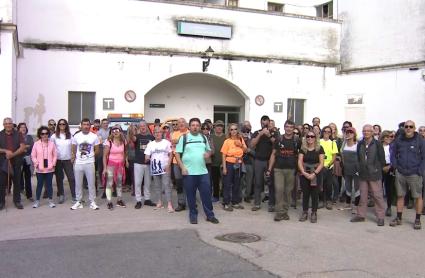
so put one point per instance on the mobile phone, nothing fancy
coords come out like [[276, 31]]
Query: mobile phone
[[45, 163]]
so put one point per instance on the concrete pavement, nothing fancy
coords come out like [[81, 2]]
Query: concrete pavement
[[333, 247]]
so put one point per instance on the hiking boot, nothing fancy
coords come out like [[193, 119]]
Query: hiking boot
[[138, 205], [395, 222], [313, 217], [357, 218], [417, 225], [303, 217], [380, 222], [121, 204], [227, 207]]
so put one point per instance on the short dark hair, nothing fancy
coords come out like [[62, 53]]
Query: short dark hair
[[85, 120], [347, 123], [105, 119], [97, 121], [265, 118], [289, 122], [194, 120], [40, 130], [23, 124]]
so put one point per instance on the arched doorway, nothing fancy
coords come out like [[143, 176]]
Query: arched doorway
[[199, 95]]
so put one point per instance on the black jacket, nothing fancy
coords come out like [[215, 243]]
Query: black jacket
[[371, 160]]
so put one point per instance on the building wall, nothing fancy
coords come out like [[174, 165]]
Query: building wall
[[152, 26], [7, 74], [6, 11], [373, 36]]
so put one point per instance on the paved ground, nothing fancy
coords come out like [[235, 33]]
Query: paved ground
[[333, 247]]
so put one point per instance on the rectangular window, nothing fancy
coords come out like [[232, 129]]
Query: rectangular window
[[81, 105], [233, 3], [274, 7], [295, 110], [325, 10]]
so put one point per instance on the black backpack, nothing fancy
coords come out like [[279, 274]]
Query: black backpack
[[204, 140]]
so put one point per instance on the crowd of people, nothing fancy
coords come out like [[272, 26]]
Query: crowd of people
[[329, 169]]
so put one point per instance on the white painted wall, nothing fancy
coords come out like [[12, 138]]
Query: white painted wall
[[6, 11], [191, 95], [153, 25], [382, 32], [7, 58]]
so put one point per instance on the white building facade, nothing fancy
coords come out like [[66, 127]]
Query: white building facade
[[65, 59]]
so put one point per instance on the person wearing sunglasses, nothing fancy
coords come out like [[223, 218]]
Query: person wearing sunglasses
[[232, 151], [371, 157], [310, 164], [52, 126], [159, 153], [330, 190], [63, 142], [114, 163], [408, 158], [44, 158], [351, 168]]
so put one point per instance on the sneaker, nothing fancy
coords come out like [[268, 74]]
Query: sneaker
[[61, 199], [93, 206], [357, 218], [380, 222], [388, 212], [51, 204], [417, 224], [213, 220], [395, 222], [313, 217], [329, 205], [110, 206], [255, 208], [303, 217], [149, 203], [121, 204], [238, 206], [36, 204], [77, 205], [138, 205], [227, 207]]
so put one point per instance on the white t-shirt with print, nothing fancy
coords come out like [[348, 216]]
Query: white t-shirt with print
[[159, 156], [85, 147]]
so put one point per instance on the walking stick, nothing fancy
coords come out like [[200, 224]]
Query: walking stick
[[9, 165]]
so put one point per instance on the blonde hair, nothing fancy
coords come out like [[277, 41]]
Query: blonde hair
[[238, 135], [304, 143]]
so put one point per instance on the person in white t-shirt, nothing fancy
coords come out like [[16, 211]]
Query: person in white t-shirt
[[160, 154], [85, 146], [63, 142]]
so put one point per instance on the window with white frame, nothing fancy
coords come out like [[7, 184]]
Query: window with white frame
[[325, 10]]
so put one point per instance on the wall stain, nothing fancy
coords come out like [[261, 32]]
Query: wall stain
[[34, 114]]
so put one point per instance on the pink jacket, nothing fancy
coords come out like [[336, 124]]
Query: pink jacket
[[37, 157]]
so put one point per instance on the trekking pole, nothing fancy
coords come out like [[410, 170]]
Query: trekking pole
[[9, 165]]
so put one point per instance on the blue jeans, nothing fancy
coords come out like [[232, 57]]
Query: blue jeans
[[231, 184], [44, 178], [202, 183]]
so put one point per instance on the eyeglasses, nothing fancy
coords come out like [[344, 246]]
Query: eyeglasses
[[52, 124], [175, 124], [349, 132], [296, 133], [310, 136], [116, 130], [205, 128], [409, 126], [44, 133], [233, 129], [391, 136]]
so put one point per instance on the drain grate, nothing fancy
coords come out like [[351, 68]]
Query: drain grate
[[239, 237]]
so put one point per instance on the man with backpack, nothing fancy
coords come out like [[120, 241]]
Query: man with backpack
[[191, 151], [408, 158], [284, 161], [371, 157]]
